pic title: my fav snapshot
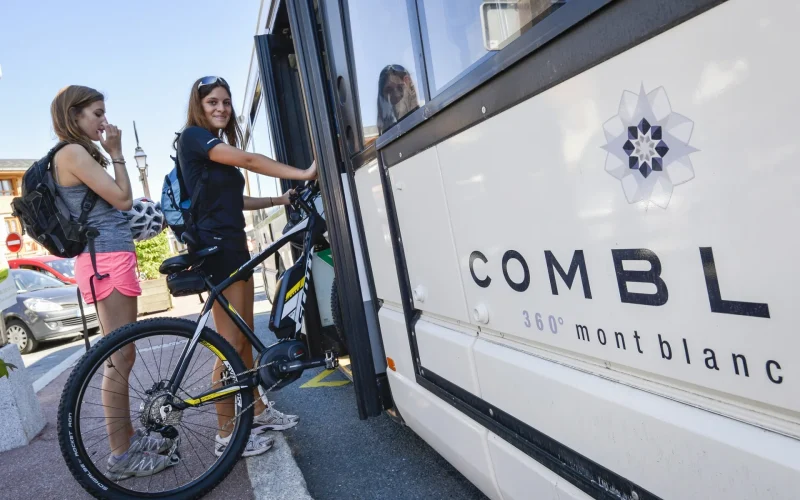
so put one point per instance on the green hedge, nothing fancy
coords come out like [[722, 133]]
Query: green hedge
[[151, 254]]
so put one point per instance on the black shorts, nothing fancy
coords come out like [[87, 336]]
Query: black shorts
[[219, 266]]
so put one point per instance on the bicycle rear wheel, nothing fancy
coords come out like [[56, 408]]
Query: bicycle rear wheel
[[118, 388]]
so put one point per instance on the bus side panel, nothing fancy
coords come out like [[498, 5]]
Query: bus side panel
[[459, 439], [645, 438], [376, 232], [395, 340], [424, 220], [682, 274], [520, 477], [447, 351]]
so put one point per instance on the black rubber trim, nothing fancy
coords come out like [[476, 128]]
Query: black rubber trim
[[409, 312], [591, 31], [587, 475], [364, 157]]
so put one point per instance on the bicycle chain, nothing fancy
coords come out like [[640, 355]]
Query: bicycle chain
[[238, 375]]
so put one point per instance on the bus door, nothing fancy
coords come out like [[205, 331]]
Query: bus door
[[305, 125]]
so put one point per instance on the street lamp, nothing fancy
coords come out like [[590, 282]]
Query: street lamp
[[141, 164]]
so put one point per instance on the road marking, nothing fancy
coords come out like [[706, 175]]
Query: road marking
[[54, 372], [317, 381]]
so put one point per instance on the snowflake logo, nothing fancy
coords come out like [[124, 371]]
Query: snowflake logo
[[648, 147]]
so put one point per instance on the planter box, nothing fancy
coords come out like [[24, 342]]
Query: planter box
[[155, 296]]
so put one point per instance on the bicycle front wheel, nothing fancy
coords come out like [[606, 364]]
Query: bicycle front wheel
[[124, 435]]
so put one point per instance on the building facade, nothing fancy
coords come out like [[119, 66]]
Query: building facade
[[11, 172]]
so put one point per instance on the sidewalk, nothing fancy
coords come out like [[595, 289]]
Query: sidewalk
[[38, 470]]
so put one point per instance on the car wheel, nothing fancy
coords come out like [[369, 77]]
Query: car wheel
[[19, 333]]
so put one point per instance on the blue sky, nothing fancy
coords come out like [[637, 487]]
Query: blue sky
[[143, 55]]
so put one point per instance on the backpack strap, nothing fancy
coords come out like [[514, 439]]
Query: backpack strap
[[52, 153], [83, 317], [89, 200], [199, 187], [91, 234]]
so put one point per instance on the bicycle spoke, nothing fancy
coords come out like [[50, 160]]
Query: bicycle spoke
[[193, 448], [139, 356], [133, 372], [106, 406], [198, 379], [158, 366], [120, 383], [114, 392], [189, 377], [200, 425], [122, 427]]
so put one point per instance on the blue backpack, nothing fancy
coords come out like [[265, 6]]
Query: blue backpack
[[180, 211]]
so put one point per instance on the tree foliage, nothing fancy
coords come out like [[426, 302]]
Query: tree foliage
[[151, 253]]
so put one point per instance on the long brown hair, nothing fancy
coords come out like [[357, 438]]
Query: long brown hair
[[67, 105], [196, 117]]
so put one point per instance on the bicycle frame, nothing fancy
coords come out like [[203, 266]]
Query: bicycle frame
[[307, 226]]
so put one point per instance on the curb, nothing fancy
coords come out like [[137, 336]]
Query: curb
[[275, 474]]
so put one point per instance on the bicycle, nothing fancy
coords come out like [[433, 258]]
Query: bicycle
[[170, 403]]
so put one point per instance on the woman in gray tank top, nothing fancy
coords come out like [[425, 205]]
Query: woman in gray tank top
[[79, 118]]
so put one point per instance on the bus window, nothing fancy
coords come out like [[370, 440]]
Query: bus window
[[385, 64], [457, 36]]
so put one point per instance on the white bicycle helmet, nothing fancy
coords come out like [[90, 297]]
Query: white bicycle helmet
[[145, 219]]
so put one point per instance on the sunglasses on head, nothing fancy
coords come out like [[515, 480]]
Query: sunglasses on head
[[211, 80]]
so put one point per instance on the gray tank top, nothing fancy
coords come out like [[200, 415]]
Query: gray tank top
[[115, 234]]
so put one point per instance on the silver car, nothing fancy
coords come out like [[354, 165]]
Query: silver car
[[46, 309]]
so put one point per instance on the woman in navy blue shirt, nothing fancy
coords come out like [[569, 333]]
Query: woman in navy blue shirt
[[210, 142]]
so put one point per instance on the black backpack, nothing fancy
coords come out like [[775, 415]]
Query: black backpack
[[44, 214]]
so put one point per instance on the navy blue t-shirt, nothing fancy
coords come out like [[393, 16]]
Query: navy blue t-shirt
[[219, 209]]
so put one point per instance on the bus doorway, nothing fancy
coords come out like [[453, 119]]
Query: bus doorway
[[297, 92]]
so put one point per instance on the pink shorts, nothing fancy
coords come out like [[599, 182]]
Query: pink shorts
[[121, 268]]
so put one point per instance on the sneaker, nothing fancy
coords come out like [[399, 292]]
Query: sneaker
[[273, 420], [139, 464], [256, 445], [141, 441]]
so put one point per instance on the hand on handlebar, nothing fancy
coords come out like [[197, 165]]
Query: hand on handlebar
[[287, 198]]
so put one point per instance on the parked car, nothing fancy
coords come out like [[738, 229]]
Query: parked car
[[56, 267], [46, 309]]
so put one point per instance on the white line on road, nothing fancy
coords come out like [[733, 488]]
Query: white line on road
[[155, 348], [57, 370]]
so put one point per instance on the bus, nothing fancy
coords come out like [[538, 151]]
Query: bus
[[554, 231]]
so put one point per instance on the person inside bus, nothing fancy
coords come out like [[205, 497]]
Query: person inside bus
[[397, 96], [211, 141]]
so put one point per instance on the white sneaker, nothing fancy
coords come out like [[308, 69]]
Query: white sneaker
[[256, 445], [273, 420]]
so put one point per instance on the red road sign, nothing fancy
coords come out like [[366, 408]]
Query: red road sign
[[14, 242]]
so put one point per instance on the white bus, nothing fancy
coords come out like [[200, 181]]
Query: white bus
[[561, 230]]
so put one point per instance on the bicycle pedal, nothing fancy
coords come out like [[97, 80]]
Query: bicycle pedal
[[331, 360]]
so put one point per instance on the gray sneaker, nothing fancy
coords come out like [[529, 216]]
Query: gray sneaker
[[138, 464], [141, 441]]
